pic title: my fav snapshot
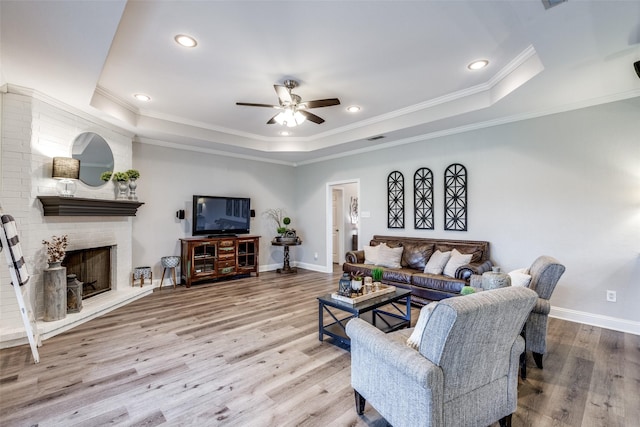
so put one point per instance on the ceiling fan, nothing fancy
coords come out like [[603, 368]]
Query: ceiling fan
[[294, 111]]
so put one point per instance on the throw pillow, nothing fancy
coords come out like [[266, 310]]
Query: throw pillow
[[415, 255], [416, 336], [437, 262], [520, 277], [475, 251], [371, 254], [457, 260], [389, 257]]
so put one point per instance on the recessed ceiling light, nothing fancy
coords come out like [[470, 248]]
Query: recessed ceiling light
[[478, 65], [353, 109], [285, 133], [142, 97], [186, 41]]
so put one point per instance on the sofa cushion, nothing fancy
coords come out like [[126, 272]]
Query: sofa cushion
[[437, 282], [401, 275], [457, 260], [416, 255], [389, 257], [475, 251], [436, 262]]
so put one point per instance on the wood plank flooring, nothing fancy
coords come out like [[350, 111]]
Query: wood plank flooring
[[246, 353]]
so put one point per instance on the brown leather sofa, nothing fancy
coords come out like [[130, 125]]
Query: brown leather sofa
[[416, 252]]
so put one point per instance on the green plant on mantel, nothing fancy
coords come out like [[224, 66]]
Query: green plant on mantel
[[133, 174], [120, 177], [106, 176]]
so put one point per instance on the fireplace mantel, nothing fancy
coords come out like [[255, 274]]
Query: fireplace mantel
[[78, 206]]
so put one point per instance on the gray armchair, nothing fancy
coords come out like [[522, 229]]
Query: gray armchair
[[465, 372], [545, 273]]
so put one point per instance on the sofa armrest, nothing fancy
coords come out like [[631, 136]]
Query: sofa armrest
[[466, 271], [354, 257]]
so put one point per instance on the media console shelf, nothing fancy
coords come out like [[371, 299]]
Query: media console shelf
[[212, 258]]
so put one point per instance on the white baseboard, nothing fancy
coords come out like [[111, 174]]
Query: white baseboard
[[303, 265], [314, 267], [601, 321]]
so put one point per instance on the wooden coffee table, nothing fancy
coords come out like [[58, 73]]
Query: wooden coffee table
[[388, 313]]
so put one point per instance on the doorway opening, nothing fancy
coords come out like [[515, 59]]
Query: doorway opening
[[343, 220]]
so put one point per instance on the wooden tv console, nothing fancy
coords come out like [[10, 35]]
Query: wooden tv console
[[212, 258]]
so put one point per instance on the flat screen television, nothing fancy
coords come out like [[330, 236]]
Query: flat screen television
[[218, 215]]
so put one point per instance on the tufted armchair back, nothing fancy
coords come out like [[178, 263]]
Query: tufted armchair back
[[545, 273]]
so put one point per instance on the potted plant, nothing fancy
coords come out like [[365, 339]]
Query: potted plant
[[121, 178], [56, 250], [133, 175], [356, 281], [106, 176], [376, 274], [276, 215]]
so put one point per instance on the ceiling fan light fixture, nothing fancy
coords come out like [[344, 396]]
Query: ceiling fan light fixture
[[185, 40], [478, 65], [290, 118]]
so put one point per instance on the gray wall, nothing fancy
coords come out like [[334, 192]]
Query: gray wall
[[168, 180], [565, 185]]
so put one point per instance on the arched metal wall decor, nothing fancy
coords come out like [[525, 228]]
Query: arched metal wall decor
[[395, 200], [455, 198], [423, 199]]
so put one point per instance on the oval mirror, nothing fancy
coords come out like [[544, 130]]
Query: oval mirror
[[95, 157]]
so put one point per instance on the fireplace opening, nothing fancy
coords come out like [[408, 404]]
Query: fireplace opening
[[92, 267]]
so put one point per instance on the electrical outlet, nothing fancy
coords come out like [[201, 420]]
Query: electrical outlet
[[611, 296]]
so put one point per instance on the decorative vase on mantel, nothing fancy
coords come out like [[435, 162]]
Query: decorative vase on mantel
[[132, 189], [122, 190]]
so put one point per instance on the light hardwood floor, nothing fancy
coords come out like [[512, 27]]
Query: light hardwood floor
[[246, 353]]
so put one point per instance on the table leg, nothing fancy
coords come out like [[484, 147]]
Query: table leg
[[286, 267]]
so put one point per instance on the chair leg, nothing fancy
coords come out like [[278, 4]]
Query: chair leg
[[506, 421], [537, 357], [162, 280], [523, 365], [360, 401]]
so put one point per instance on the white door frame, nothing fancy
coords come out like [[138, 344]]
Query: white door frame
[[339, 222], [328, 215]]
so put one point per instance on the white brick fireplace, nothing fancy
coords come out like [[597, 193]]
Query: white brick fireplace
[[34, 129]]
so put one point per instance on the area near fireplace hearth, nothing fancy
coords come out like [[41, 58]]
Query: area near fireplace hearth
[[36, 129]]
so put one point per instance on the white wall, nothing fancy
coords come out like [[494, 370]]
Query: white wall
[[169, 178], [34, 130], [565, 185]]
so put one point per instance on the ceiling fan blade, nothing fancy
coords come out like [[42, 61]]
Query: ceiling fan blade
[[311, 117], [251, 104], [283, 94], [272, 120], [321, 103]]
